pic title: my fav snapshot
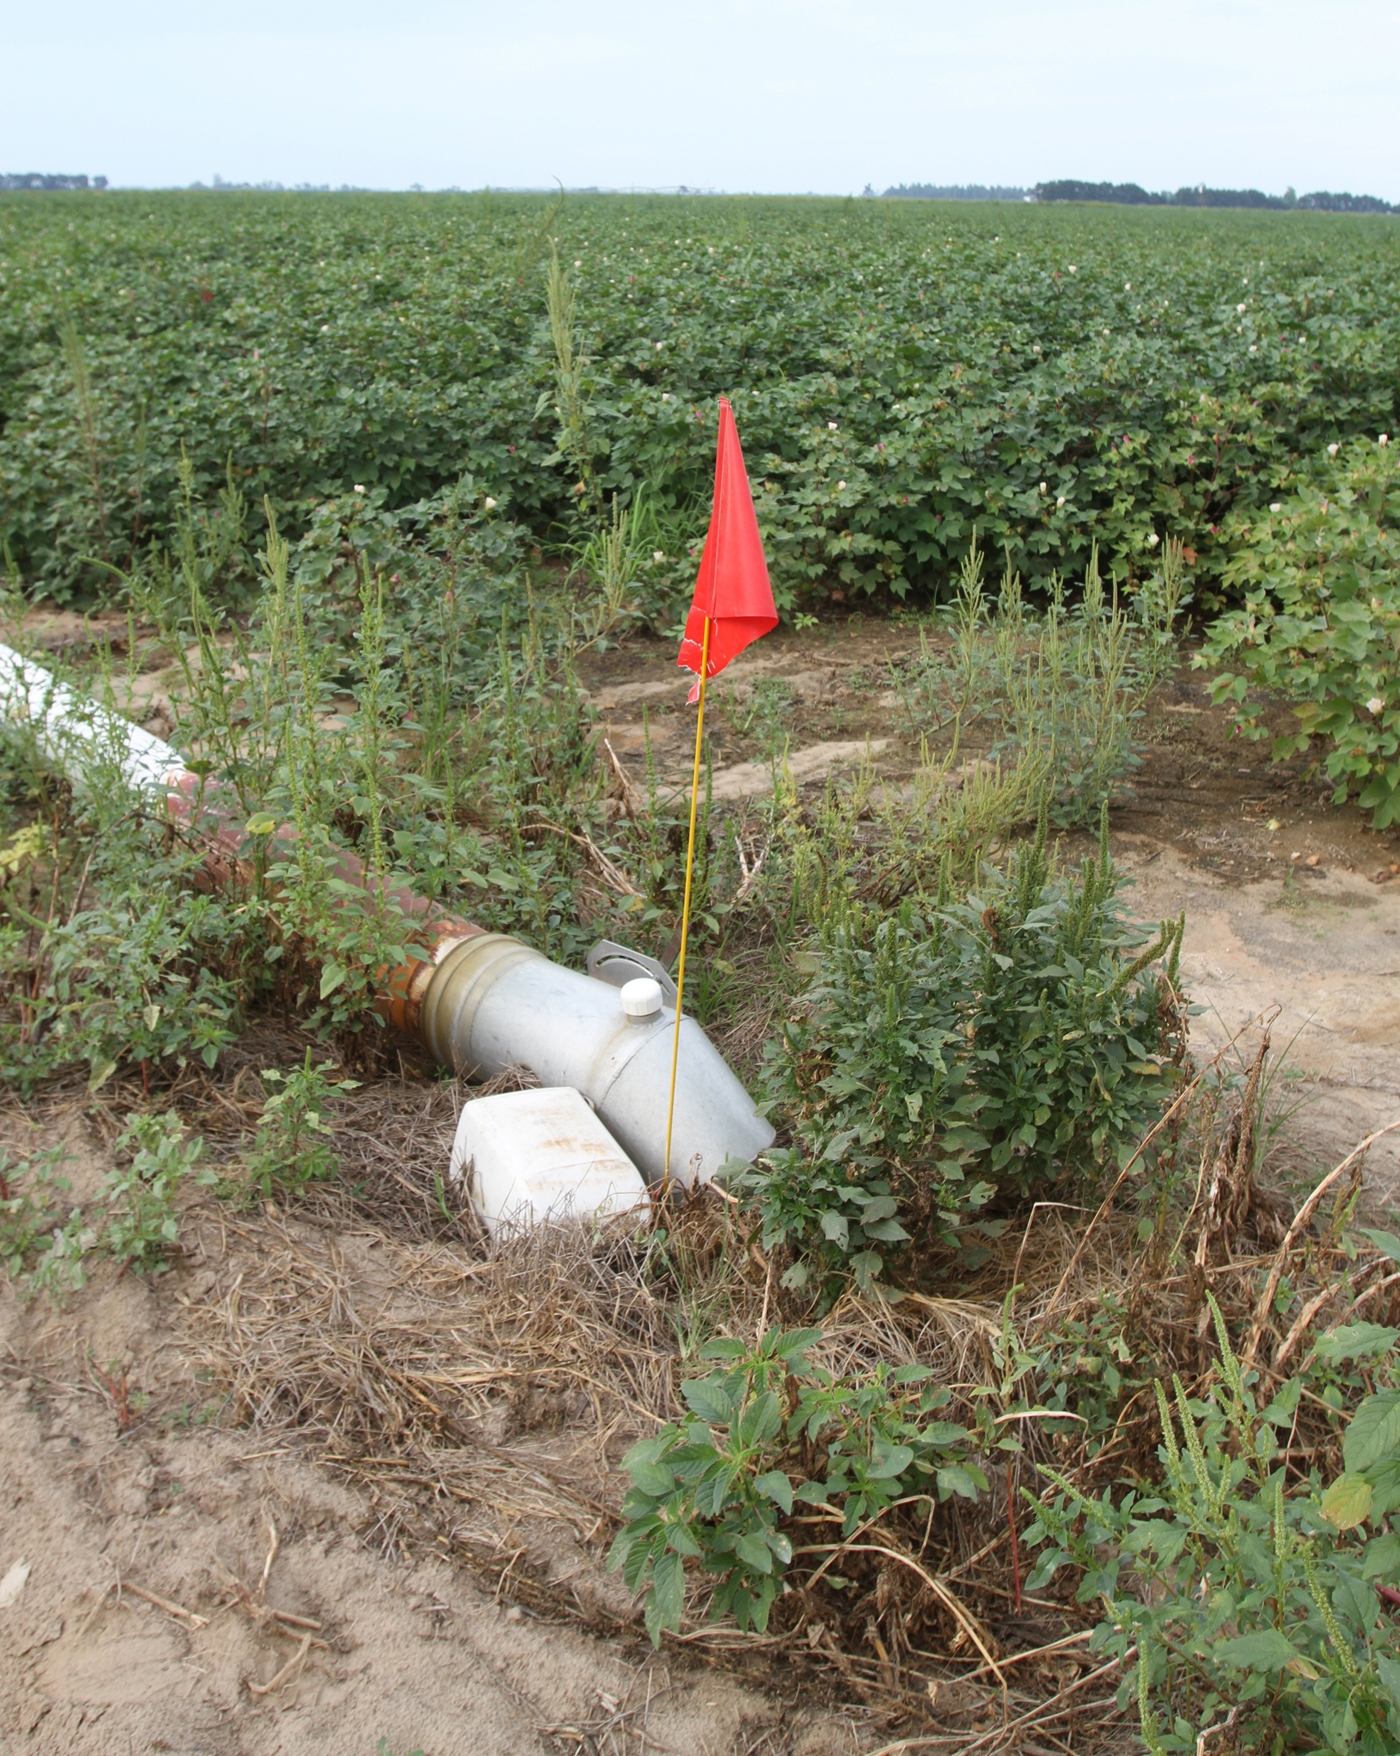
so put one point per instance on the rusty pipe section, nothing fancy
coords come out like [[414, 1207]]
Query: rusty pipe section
[[477, 1001]]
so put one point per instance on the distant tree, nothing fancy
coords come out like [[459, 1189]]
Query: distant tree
[[1200, 195], [1126, 194], [958, 192]]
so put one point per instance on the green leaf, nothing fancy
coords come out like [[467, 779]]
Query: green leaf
[[652, 1478], [1264, 1650], [956, 1479], [777, 1487], [332, 976], [1357, 1341], [723, 1348], [1389, 1673], [754, 1551], [796, 1342], [1374, 1432], [262, 824], [666, 1599], [888, 1461], [1347, 1502], [1284, 1407], [761, 1420], [711, 1399], [836, 1228], [943, 1433], [1382, 1556], [886, 1231]]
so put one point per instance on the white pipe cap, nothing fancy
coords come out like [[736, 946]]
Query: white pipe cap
[[641, 998]]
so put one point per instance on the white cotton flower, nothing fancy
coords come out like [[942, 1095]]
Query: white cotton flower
[[578, 263], [1152, 539], [1036, 348], [1127, 286], [1240, 309], [1253, 349], [1073, 269], [1333, 449], [1384, 439], [659, 346], [831, 426], [359, 487], [1044, 488], [489, 504], [658, 554], [1375, 704], [1059, 503], [325, 329], [1276, 506], [840, 487]]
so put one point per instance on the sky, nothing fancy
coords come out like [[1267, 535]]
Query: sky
[[767, 95]]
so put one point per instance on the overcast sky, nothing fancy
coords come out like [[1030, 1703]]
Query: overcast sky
[[782, 95]]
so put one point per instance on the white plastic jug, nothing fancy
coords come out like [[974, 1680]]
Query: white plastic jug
[[528, 1157]]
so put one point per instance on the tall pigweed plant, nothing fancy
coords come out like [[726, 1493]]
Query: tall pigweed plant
[[1320, 624], [768, 1430], [1249, 1589], [1005, 1040], [254, 711]]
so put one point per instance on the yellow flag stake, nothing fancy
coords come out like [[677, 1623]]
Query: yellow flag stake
[[685, 905]]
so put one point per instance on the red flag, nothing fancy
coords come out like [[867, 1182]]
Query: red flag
[[732, 589]]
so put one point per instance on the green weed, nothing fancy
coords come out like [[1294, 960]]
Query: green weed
[[143, 1218], [718, 1486], [1011, 1038], [1249, 1594]]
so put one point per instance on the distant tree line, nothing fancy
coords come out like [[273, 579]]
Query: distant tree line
[[271, 188], [43, 180], [1134, 195], [959, 192]]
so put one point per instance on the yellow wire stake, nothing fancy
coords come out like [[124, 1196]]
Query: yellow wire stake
[[685, 905]]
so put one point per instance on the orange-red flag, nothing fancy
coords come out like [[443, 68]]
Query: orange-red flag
[[732, 589]]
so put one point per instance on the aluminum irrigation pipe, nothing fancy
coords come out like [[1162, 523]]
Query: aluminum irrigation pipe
[[477, 1001]]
